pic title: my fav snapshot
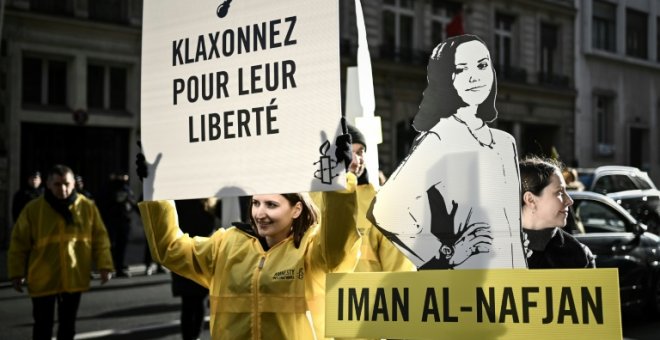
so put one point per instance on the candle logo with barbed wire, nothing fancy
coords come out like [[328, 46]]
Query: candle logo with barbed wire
[[326, 165]]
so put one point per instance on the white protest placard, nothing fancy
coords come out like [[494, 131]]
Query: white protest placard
[[240, 97]]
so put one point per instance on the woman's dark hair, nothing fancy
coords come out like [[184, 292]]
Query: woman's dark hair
[[440, 97], [536, 173], [308, 216]]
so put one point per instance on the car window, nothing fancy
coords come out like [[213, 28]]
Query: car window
[[586, 178], [597, 217], [613, 183], [641, 183], [573, 223]]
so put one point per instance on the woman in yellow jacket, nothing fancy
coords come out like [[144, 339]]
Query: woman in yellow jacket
[[263, 280]]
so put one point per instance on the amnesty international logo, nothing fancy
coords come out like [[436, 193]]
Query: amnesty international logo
[[287, 274]]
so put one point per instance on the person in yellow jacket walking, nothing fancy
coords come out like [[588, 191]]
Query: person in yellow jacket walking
[[264, 279], [59, 235]]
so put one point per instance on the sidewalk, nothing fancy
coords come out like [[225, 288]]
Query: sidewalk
[[139, 307]]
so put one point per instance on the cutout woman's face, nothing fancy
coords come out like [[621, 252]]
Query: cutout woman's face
[[473, 75]]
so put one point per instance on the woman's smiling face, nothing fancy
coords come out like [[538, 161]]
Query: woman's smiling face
[[273, 216], [473, 75]]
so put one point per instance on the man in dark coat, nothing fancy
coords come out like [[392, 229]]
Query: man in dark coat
[[118, 204], [29, 191], [196, 218]]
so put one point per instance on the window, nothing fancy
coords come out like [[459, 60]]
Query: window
[[117, 88], [640, 183], [599, 218], [44, 82], [95, 86], [549, 53], [398, 21], [657, 38], [604, 106], [109, 10], [613, 183], [636, 34], [443, 13], [503, 34], [61, 7], [503, 58], [32, 80], [106, 87], [604, 26]]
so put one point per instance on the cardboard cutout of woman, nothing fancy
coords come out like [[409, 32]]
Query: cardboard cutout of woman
[[454, 201]]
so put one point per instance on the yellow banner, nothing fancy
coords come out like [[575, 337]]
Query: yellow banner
[[475, 304]]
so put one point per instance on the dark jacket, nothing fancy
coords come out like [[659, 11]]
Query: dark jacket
[[22, 197], [557, 249], [194, 220], [118, 204]]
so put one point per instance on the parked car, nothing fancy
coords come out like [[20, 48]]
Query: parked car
[[630, 187], [619, 241]]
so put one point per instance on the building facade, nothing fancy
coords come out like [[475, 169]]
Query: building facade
[[618, 73], [70, 71], [532, 46], [69, 90]]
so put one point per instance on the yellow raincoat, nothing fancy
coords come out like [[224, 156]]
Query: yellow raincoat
[[59, 256], [377, 254], [257, 294]]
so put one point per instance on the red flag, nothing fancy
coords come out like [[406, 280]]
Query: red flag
[[455, 26]]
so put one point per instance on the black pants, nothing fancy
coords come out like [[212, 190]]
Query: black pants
[[193, 312], [121, 232], [43, 309]]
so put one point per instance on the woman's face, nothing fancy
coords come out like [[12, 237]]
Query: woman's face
[[550, 209], [273, 216], [357, 165], [473, 75]]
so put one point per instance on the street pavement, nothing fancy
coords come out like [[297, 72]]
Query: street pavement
[[139, 307]]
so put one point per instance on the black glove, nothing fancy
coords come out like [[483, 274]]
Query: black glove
[[344, 146], [442, 221], [141, 164]]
